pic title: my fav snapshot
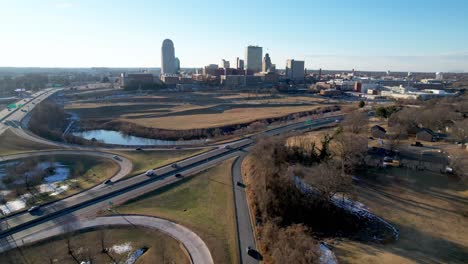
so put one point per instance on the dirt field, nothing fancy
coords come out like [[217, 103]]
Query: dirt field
[[429, 209], [191, 110]]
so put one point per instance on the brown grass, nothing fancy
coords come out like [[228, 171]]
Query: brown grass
[[429, 209], [228, 117], [12, 144]]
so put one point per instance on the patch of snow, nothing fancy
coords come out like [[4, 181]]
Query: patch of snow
[[134, 257], [326, 255], [52, 188], [15, 205], [122, 248]]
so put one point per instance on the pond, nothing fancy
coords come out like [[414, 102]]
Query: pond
[[118, 138]]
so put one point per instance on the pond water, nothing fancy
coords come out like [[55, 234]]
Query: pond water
[[118, 138]]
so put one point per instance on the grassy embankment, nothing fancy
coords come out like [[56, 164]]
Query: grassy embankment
[[12, 144], [162, 248], [203, 203], [429, 209]]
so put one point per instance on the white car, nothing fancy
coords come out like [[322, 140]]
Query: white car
[[150, 173]]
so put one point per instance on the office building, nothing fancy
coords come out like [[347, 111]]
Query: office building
[[295, 70], [224, 64], [439, 76], [168, 61], [253, 58], [240, 63], [266, 65]]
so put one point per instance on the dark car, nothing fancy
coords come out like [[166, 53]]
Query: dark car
[[417, 144], [138, 149], [240, 184], [254, 253], [108, 181], [178, 175], [175, 166]]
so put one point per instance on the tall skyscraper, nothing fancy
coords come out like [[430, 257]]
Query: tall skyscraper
[[168, 62], [177, 65], [439, 76], [253, 58], [295, 70], [266, 66], [240, 63]]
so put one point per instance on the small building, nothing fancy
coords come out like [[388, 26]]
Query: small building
[[378, 132], [425, 134]]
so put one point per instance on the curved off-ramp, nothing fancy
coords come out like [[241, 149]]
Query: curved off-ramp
[[196, 248], [125, 164]]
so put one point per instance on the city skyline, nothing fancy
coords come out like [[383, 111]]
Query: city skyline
[[396, 36]]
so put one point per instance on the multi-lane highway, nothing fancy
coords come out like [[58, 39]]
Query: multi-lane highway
[[14, 116], [86, 204]]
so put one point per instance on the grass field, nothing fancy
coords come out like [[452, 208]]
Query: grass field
[[162, 248], [12, 144], [429, 209], [203, 203], [147, 159]]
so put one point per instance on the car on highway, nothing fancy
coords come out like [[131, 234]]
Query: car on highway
[[108, 181], [227, 147], [116, 158], [150, 173], [178, 175], [175, 166], [33, 209], [138, 149], [417, 144], [254, 253], [240, 184], [24, 110]]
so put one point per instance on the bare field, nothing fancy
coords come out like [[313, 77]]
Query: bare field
[[223, 118], [429, 209], [192, 110]]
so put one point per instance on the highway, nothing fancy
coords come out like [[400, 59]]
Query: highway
[[86, 204], [11, 118]]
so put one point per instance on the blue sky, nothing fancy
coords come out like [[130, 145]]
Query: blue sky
[[362, 34]]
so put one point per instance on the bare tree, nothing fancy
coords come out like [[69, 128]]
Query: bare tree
[[460, 131], [351, 149], [328, 179], [356, 122]]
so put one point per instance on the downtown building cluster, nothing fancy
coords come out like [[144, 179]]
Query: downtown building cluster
[[255, 69]]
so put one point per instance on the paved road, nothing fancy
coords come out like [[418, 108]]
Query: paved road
[[244, 226], [197, 249]]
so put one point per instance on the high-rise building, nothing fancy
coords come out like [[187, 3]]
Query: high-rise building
[[168, 62], [240, 63], [439, 76], [177, 65], [266, 65], [295, 70], [224, 64], [253, 58]]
